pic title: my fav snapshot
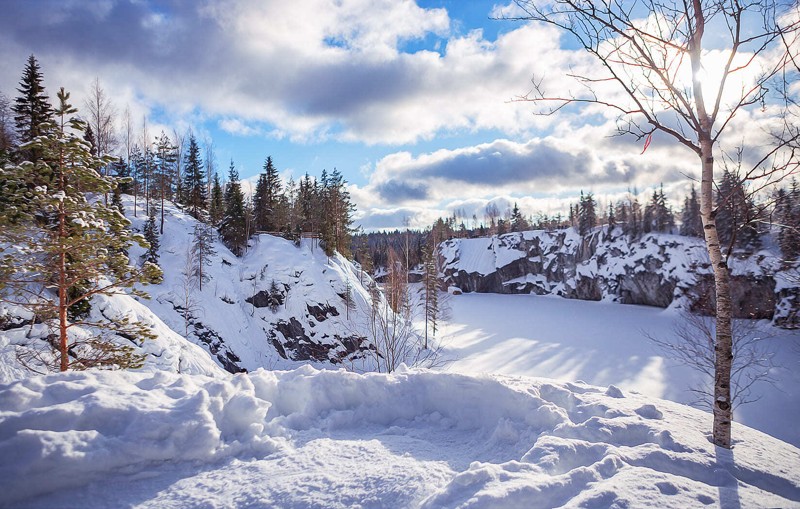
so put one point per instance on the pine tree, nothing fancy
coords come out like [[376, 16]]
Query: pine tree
[[203, 250], [194, 182], [691, 223], [233, 227], [80, 252], [151, 236], [33, 113]]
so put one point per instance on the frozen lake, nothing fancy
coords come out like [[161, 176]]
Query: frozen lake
[[603, 344]]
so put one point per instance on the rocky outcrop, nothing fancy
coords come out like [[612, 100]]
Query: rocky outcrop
[[657, 270], [295, 342]]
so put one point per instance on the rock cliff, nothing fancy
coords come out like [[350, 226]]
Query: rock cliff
[[657, 270]]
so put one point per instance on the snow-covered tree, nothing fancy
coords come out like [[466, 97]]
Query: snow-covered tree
[[79, 252], [33, 113], [150, 232], [203, 250], [233, 227], [194, 180]]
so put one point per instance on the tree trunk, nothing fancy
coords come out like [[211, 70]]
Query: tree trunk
[[723, 346], [62, 309]]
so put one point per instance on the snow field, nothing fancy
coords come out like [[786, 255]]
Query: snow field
[[308, 438]]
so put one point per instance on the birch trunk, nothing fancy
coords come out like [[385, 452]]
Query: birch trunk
[[723, 344]]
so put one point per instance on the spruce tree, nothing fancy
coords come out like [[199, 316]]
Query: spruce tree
[[787, 215], [216, 206], [738, 219], [261, 210], [518, 222], [194, 182], [33, 112], [151, 236], [203, 250], [233, 227], [587, 214], [691, 223], [79, 252]]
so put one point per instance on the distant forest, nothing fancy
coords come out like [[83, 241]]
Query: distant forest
[[742, 221]]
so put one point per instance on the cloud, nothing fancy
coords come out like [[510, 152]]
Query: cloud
[[339, 73]]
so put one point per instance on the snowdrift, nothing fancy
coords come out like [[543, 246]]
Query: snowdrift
[[308, 438]]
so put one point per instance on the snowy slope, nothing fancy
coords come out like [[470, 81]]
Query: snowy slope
[[335, 439], [167, 352], [229, 316]]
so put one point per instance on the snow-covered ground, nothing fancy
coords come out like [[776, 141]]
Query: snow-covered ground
[[605, 343], [334, 439]]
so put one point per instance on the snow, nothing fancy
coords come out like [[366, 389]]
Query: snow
[[604, 343], [544, 402], [308, 438]]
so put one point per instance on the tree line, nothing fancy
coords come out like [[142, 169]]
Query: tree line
[[742, 217]]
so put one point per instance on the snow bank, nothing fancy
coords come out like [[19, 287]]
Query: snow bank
[[309, 438]]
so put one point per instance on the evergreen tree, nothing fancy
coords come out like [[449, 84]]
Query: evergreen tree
[[165, 158], [430, 286], [33, 113], [787, 215], [737, 216], [121, 172], [216, 207], [337, 220], [587, 215], [194, 182], [151, 236], [691, 222], [612, 219], [261, 212], [80, 252], [233, 227], [203, 250], [518, 222], [116, 200]]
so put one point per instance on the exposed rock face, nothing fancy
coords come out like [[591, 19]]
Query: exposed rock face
[[303, 347], [657, 270]]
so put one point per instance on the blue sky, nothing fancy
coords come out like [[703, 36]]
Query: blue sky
[[412, 101]]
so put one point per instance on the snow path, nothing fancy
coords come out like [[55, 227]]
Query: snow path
[[308, 438], [605, 343]]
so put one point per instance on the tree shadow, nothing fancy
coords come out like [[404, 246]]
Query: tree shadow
[[729, 487]]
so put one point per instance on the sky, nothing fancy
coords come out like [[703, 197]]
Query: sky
[[414, 102]]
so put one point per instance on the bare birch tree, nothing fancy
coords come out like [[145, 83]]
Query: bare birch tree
[[646, 50], [101, 116]]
